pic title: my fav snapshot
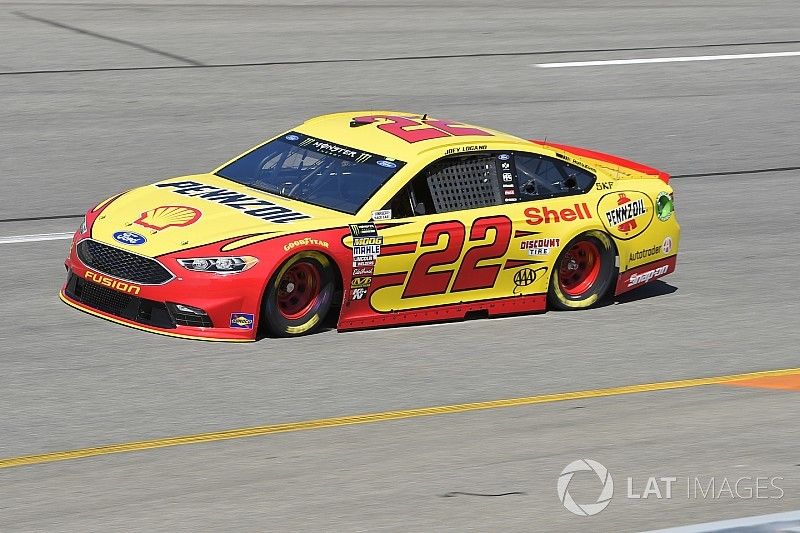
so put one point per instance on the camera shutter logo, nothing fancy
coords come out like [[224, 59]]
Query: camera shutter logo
[[585, 509]]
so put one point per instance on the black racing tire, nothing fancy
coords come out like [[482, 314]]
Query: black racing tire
[[583, 272], [299, 295]]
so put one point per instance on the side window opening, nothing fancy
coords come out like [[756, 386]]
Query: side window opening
[[463, 183], [450, 184], [541, 177]]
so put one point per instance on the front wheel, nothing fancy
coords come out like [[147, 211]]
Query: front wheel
[[299, 295], [583, 272]]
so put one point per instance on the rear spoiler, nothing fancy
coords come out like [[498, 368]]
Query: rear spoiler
[[607, 158]]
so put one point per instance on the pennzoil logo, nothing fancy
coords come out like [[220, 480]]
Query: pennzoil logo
[[167, 216], [121, 286], [626, 214]]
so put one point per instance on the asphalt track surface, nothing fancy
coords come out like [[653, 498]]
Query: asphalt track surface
[[97, 97]]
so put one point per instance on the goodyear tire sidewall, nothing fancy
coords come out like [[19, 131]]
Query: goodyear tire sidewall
[[279, 325], [605, 279]]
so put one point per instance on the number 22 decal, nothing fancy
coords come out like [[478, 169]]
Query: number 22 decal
[[423, 129], [470, 276]]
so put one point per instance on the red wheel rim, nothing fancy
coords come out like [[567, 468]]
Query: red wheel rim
[[298, 290], [579, 268]]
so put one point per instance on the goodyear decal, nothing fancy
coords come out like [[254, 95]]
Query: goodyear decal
[[256, 207], [625, 214]]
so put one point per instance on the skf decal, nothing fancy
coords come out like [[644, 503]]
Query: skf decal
[[536, 215], [252, 206], [167, 216], [305, 242], [626, 214], [242, 320], [121, 286]]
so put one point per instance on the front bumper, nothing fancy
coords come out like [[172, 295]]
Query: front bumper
[[230, 302]]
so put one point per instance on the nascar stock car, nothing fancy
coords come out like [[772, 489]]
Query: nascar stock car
[[393, 218]]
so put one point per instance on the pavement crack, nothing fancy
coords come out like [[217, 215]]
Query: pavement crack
[[117, 40], [195, 64], [735, 172], [483, 494]]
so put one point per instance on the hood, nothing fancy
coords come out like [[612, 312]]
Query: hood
[[191, 211]]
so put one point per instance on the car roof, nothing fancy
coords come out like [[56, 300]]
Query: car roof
[[337, 128]]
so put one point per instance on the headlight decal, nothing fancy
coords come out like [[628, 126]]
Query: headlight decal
[[219, 265]]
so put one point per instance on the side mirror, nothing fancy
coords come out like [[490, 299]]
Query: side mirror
[[419, 209]]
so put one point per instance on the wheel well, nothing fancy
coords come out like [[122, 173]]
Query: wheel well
[[589, 232], [337, 278]]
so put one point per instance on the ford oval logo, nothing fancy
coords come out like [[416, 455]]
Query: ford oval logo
[[292, 137], [129, 237], [503, 157], [387, 164]]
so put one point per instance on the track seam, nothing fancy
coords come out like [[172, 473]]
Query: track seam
[[61, 25], [195, 64]]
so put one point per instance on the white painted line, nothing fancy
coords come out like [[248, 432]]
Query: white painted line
[[35, 238], [785, 520], [604, 62]]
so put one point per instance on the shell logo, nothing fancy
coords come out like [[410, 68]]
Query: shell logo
[[168, 215]]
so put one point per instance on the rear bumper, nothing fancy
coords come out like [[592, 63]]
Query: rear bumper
[[643, 274]]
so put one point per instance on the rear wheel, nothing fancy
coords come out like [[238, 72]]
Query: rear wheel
[[583, 272], [299, 295]]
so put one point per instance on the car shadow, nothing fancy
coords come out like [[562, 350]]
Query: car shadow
[[651, 290]]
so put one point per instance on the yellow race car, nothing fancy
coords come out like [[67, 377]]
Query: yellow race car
[[393, 218]]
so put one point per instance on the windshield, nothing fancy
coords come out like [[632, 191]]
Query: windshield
[[314, 171]]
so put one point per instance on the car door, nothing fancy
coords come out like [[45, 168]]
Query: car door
[[448, 237]]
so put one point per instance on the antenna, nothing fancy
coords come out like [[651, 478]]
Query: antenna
[[425, 116]]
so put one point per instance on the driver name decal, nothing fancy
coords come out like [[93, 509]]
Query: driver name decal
[[263, 209]]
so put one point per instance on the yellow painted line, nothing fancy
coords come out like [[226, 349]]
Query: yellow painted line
[[257, 431]]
